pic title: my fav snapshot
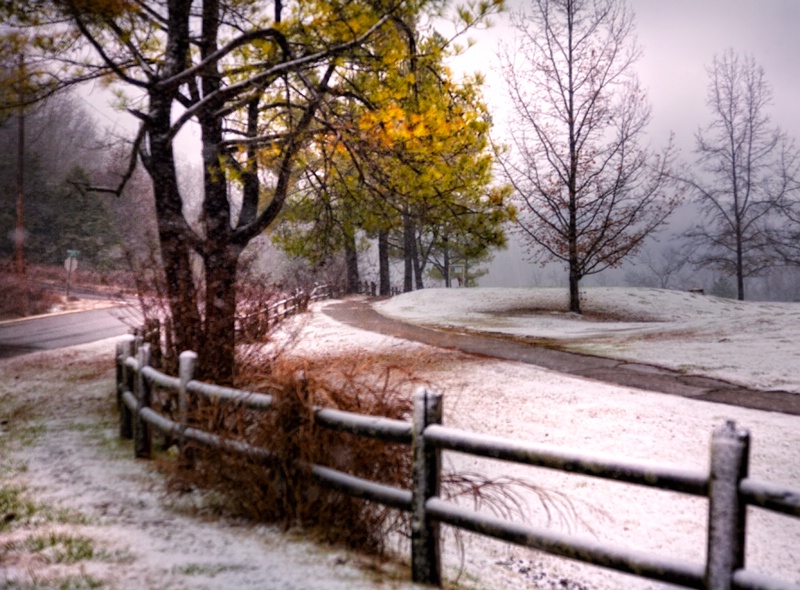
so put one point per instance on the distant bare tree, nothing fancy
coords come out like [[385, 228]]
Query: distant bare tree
[[745, 167], [661, 269], [784, 236], [589, 192]]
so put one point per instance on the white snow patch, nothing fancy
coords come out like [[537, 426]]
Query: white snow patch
[[750, 343]]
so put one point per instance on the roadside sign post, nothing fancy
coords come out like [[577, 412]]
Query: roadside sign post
[[71, 263]]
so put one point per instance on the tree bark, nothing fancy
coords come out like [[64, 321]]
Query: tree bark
[[446, 273], [220, 321], [174, 245], [417, 268], [351, 264], [409, 247], [383, 264]]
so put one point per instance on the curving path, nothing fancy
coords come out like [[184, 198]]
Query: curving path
[[360, 314], [47, 332]]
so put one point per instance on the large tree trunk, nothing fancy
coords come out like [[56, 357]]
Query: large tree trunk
[[219, 353], [181, 291], [220, 255], [172, 233], [383, 263]]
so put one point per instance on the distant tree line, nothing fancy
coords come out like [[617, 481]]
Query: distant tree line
[[62, 153]]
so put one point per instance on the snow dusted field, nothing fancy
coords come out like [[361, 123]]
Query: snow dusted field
[[74, 460], [751, 343]]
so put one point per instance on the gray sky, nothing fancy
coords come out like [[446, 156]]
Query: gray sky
[[680, 39]]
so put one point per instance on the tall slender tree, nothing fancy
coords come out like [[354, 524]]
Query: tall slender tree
[[588, 190], [745, 168]]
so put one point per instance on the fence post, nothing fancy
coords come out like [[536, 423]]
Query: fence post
[[425, 556], [152, 335], [142, 441], [127, 374], [187, 361], [730, 450]]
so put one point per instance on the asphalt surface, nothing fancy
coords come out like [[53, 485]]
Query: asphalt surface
[[360, 314], [56, 331]]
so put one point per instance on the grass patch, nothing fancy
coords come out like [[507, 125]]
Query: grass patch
[[27, 435], [15, 508], [62, 547], [18, 510], [81, 582], [199, 569], [57, 547], [18, 422]]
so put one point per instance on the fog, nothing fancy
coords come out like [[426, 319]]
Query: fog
[[679, 41]]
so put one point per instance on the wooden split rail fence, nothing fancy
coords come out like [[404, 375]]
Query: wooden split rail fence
[[726, 485], [280, 310]]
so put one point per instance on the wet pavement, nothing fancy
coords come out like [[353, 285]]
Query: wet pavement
[[359, 314]]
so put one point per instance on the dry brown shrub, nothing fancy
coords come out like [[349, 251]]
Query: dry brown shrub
[[281, 489], [20, 296]]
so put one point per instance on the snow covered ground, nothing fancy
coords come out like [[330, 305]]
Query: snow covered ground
[[74, 461], [751, 343]]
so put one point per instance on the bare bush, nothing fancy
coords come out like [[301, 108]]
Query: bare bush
[[21, 297], [282, 489]]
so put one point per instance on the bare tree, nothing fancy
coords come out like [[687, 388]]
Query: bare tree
[[589, 191], [658, 268], [745, 167], [784, 235]]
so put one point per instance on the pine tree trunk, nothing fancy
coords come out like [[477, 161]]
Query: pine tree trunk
[[417, 271], [383, 263], [446, 273], [409, 247], [351, 263]]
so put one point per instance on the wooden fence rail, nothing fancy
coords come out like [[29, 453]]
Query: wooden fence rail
[[283, 308], [726, 485]]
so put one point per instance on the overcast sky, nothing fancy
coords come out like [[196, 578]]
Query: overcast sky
[[679, 39]]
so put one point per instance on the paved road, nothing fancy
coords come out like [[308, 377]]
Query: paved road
[[361, 315], [56, 331]]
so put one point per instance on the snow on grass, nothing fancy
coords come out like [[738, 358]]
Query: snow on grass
[[73, 460], [79, 512], [750, 343], [529, 404]]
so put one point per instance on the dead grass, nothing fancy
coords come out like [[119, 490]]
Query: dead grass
[[22, 297]]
